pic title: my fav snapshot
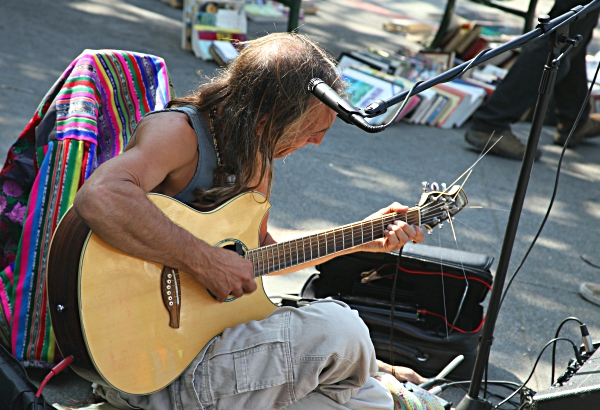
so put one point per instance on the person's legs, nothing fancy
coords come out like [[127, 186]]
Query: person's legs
[[571, 89], [518, 91], [322, 348], [371, 396]]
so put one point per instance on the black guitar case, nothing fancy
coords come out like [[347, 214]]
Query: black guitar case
[[17, 392], [438, 296]]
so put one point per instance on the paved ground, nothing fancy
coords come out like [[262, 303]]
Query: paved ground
[[352, 173]]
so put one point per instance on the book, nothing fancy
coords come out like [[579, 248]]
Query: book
[[439, 110], [363, 89], [458, 104], [475, 48], [488, 88], [457, 37], [372, 60], [309, 7], [401, 82], [469, 38], [217, 20], [264, 13], [477, 96], [407, 26], [426, 96], [444, 60], [223, 52], [426, 115]]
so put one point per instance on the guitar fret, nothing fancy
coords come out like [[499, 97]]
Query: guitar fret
[[303, 251], [372, 231], [318, 247], [278, 246], [334, 244], [273, 255], [362, 234], [289, 252]]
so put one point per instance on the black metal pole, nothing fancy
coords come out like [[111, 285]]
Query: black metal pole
[[472, 401]]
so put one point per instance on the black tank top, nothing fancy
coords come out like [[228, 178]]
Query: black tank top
[[207, 157]]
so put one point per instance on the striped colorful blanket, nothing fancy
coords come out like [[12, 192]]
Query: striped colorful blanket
[[86, 118]]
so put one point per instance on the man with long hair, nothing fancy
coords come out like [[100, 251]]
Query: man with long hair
[[206, 149]]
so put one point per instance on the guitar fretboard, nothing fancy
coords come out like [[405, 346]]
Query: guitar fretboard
[[283, 255]]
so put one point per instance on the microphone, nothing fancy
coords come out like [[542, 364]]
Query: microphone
[[346, 111]]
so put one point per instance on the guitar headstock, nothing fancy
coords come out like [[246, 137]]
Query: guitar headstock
[[435, 207]]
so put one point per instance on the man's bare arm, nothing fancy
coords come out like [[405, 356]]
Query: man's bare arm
[[114, 204]]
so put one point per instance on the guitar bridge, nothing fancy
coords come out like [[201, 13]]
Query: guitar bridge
[[171, 294]]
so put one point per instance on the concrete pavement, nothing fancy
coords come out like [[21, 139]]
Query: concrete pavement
[[352, 173]]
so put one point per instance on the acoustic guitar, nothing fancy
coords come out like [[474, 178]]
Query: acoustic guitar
[[136, 325]]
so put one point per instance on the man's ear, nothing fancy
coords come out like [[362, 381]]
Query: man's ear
[[260, 127]]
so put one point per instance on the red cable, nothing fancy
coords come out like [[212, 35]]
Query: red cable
[[55, 370], [416, 272], [426, 312]]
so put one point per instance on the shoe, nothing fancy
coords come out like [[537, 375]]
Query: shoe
[[589, 129], [508, 147], [590, 292]]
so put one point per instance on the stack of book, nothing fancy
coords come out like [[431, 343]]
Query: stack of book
[[377, 75], [468, 38], [261, 12], [309, 7], [216, 20]]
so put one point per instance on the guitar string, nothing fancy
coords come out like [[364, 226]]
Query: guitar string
[[289, 262], [462, 301], [260, 253], [257, 256], [360, 225]]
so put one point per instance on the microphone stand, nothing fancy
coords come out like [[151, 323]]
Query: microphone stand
[[557, 30], [558, 38]]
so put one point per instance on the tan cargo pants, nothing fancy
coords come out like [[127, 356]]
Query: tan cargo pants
[[316, 357]]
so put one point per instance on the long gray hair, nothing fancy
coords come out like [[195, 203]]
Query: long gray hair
[[266, 83]]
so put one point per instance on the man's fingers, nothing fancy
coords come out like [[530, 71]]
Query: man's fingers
[[250, 286], [237, 292]]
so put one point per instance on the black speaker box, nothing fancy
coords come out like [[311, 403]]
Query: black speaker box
[[580, 392]]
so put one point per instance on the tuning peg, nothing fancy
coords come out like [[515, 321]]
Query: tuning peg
[[429, 231], [435, 186], [443, 186], [441, 225], [425, 186]]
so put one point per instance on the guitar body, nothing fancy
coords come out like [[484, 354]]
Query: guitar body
[[108, 307]]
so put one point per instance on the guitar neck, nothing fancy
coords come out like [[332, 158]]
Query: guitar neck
[[283, 255]]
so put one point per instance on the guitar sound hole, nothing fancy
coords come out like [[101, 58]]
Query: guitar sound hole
[[229, 299], [235, 247]]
